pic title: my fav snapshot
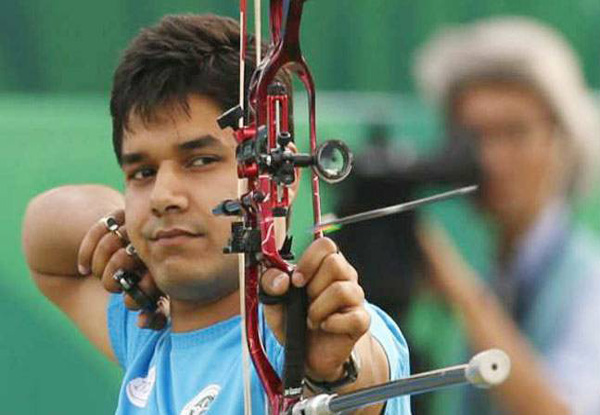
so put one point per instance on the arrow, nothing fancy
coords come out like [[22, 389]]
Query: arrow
[[392, 210]]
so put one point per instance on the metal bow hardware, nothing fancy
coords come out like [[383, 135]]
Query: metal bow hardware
[[266, 170], [484, 370]]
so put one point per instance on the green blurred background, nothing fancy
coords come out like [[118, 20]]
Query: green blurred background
[[56, 61]]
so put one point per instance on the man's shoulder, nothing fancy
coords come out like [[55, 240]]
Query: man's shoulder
[[126, 338]]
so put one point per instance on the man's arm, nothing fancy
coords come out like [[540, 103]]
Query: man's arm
[[55, 224], [338, 321], [527, 390]]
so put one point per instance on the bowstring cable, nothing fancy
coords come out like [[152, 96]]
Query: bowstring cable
[[258, 47], [258, 31], [241, 257]]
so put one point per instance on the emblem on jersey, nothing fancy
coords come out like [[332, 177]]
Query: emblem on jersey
[[139, 389], [200, 404]]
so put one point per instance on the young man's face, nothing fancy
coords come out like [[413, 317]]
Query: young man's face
[[177, 170]]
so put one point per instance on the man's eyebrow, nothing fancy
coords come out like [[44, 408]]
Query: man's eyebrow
[[197, 143], [131, 158], [200, 142]]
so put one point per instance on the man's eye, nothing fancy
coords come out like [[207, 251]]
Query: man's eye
[[142, 173], [202, 161]]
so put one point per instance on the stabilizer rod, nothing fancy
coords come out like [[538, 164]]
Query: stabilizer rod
[[484, 370]]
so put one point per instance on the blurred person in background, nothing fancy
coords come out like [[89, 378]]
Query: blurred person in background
[[515, 87]]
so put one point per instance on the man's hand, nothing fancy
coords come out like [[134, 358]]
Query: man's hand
[[337, 318], [488, 325], [448, 272], [102, 252]]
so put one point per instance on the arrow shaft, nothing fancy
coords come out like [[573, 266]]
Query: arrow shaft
[[393, 210]]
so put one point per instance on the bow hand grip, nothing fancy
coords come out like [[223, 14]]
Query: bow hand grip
[[295, 341]]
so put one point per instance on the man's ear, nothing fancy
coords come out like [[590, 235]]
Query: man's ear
[[293, 189]]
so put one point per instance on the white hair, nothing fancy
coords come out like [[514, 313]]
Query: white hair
[[529, 52]]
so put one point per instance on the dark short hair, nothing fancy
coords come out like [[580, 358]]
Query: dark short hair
[[180, 56]]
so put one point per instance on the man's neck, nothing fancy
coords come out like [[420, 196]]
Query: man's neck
[[189, 315]]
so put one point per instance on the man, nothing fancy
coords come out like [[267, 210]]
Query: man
[[172, 83], [515, 87]]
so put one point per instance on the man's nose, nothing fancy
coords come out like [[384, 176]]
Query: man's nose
[[168, 194]]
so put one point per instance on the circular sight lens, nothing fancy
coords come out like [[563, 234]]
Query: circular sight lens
[[333, 161]]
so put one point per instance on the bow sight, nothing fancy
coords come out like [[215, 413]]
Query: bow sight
[[258, 153], [331, 161]]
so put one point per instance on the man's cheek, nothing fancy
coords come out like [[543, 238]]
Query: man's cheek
[[134, 232], [141, 246], [224, 230]]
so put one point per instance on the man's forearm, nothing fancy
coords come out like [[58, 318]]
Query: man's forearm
[[488, 325], [526, 391], [375, 370], [56, 222]]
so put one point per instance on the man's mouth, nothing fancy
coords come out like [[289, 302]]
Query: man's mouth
[[173, 236]]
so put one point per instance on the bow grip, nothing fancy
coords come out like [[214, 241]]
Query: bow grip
[[295, 340]]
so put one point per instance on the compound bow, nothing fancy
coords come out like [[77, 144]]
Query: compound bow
[[263, 132]]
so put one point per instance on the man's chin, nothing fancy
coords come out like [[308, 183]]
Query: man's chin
[[195, 284]]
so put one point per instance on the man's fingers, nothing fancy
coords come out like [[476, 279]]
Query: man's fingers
[[274, 282], [148, 287], [353, 322], [118, 215], [333, 267], [103, 252], [87, 247], [91, 239], [153, 321], [311, 260], [448, 270], [338, 297], [119, 260]]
